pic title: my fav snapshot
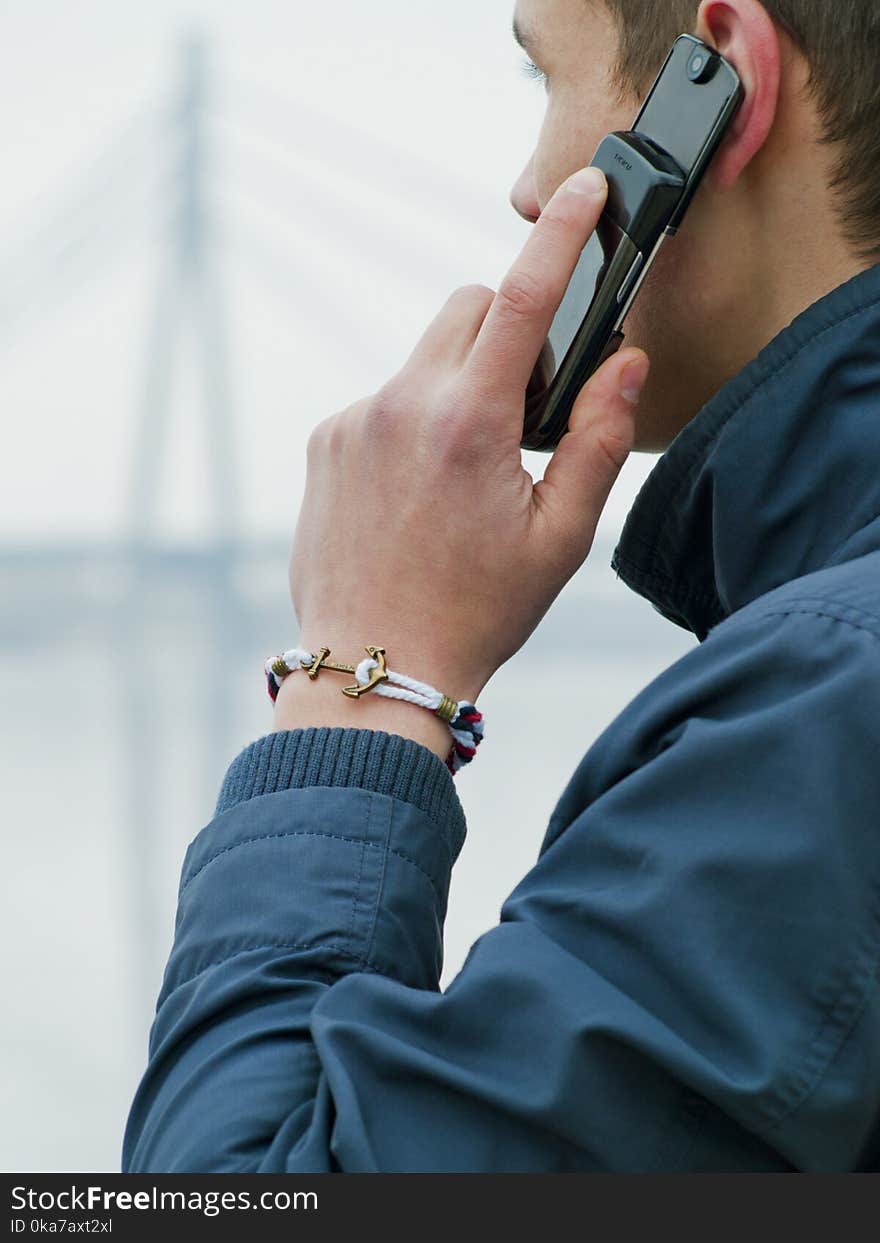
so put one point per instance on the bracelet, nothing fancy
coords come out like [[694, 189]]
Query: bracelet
[[464, 720]]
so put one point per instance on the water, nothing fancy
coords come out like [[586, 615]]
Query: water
[[124, 699]]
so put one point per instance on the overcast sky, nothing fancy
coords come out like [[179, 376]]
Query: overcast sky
[[360, 163]]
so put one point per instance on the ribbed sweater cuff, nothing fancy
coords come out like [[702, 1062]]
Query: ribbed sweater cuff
[[367, 759]]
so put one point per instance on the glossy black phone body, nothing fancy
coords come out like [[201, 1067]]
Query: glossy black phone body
[[653, 171]]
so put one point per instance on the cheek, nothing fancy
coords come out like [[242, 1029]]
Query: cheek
[[572, 130], [663, 307], [686, 285], [675, 320]]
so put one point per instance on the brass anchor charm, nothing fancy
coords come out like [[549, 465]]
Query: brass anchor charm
[[377, 675]]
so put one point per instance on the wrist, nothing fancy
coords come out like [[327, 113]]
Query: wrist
[[303, 702]]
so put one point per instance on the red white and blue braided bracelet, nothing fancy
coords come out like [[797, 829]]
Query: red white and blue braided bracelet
[[464, 720]]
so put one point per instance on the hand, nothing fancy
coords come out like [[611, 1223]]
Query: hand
[[420, 530]]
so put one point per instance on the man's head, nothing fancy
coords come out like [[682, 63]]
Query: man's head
[[791, 205]]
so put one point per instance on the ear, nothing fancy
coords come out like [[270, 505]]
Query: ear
[[743, 32]]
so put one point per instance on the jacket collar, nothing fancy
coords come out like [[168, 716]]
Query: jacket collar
[[777, 476]]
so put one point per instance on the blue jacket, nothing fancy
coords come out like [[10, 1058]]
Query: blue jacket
[[687, 979]]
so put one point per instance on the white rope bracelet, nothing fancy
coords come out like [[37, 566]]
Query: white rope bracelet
[[372, 675]]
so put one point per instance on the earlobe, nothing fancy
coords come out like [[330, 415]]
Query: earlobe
[[743, 32]]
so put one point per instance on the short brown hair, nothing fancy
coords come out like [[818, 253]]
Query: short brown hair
[[840, 40]]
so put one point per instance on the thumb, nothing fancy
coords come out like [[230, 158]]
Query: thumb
[[590, 456]]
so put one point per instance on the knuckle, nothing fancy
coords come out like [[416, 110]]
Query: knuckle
[[327, 439], [382, 410], [457, 435], [447, 427], [336, 433], [317, 441], [554, 219], [522, 295], [613, 445]]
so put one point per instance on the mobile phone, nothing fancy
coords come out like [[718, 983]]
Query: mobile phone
[[653, 171]]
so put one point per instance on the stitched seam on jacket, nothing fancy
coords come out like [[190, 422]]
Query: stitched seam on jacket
[[357, 884], [843, 1026], [267, 837], [380, 882], [783, 611], [825, 600], [835, 1024], [694, 594], [438, 821], [806, 1078], [279, 945]]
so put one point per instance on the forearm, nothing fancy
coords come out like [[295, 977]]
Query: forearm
[[329, 854]]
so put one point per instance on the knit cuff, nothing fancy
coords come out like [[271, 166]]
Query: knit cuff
[[367, 759]]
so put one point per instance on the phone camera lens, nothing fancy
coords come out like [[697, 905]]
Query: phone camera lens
[[701, 66]]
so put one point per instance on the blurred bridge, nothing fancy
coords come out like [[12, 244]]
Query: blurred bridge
[[146, 605], [137, 596]]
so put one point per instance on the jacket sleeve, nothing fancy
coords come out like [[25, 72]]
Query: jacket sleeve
[[685, 980]]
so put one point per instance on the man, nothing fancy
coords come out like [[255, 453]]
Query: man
[[688, 977]]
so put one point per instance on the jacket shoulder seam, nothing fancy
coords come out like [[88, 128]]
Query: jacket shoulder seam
[[821, 606]]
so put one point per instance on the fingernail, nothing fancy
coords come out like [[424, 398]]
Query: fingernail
[[589, 181], [632, 379]]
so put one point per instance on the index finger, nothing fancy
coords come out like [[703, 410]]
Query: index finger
[[518, 322]]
